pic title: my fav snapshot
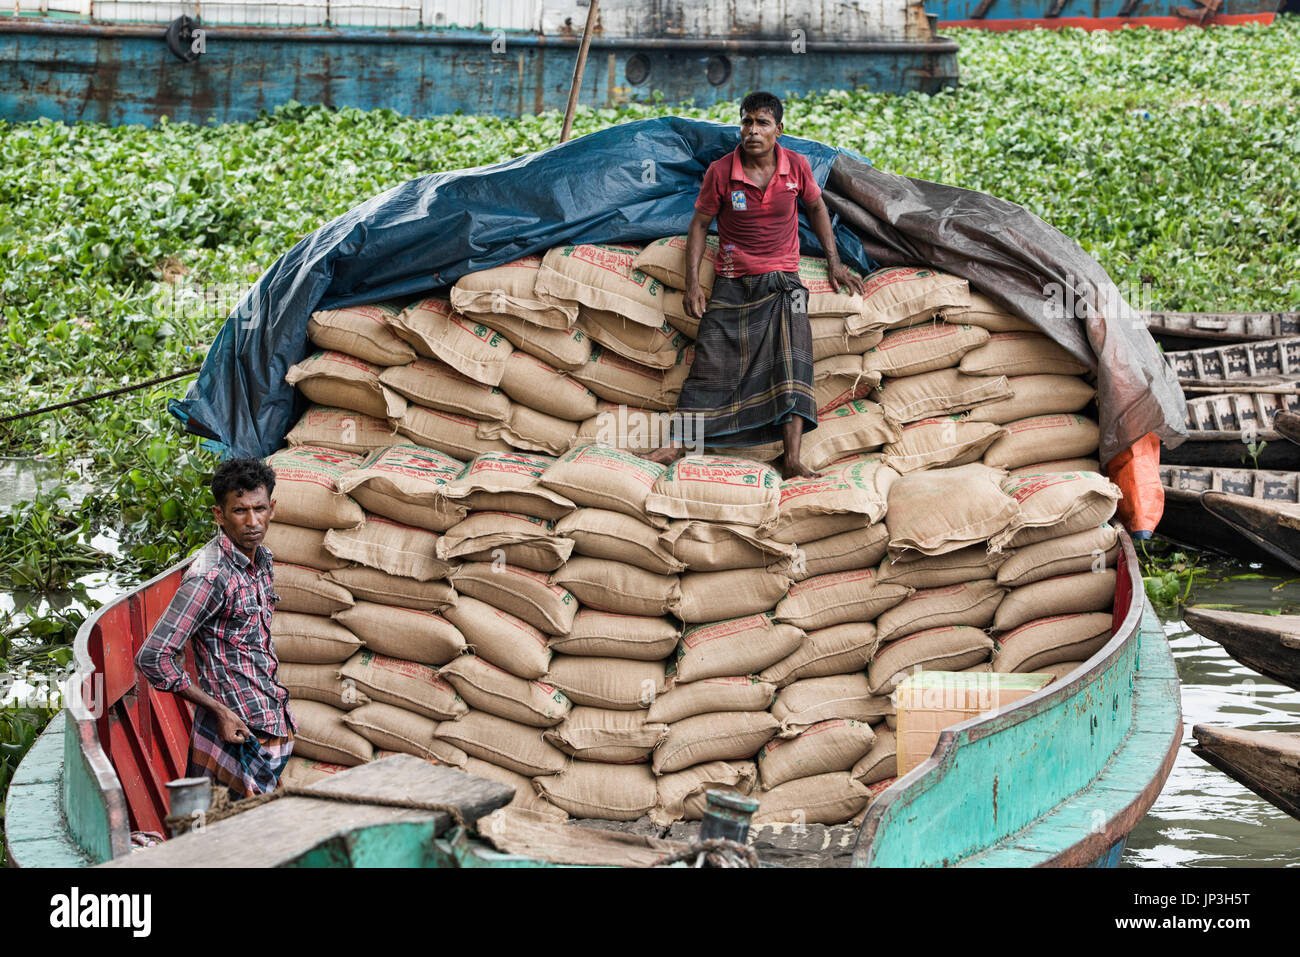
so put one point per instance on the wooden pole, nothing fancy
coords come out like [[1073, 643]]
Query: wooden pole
[[578, 67]]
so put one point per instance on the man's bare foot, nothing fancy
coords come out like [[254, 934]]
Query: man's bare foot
[[665, 456], [796, 469]]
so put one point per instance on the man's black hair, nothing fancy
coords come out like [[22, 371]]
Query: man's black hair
[[762, 101], [242, 475]]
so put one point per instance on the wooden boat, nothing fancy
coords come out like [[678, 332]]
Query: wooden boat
[[1235, 430], [1268, 644], [1267, 762], [1287, 425], [1004, 15], [1195, 330], [1242, 360], [1060, 778], [1274, 526], [1187, 521]]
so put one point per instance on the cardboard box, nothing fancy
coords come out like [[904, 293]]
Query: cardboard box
[[929, 701]]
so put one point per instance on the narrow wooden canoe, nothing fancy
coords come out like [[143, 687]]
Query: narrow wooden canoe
[[1196, 330], [1187, 521], [1275, 357], [1273, 526], [1267, 762], [1235, 430], [1268, 644], [1287, 425]]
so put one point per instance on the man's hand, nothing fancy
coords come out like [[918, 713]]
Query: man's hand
[[841, 275], [695, 302], [231, 728]]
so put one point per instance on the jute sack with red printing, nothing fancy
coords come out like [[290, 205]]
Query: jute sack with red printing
[[1054, 504], [801, 704], [841, 553], [840, 597], [832, 745], [850, 429], [717, 489], [598, 476], [680, 788], [395, 729], [438, 332], [665, 260], [939, 443], [371, 584], [456, 435], [322, 735], [736, 693], [1059, 670], [532, 431], [859, 485], [614, 683], [510, 290], [602, 277], [405, 633], [924, 349], [1056, 465], [607, 792], [404, 483], [603, 734], [523, 593], [899, 296], [1064, 595], [987, 314], [300, 546], [881, 762], [1045, 641], [657, 347], [944, 391], [614, 536], [485, 687], [361, 331], [618, 586], [435, 385], [1021, 353], [311, 639], [345, 382], [940, 511], [972, 563], [319, 683], [331, 428], [441, 753], [307, 590], [508, 482], [815, 527], [525, 795], [946, 648], [522, 540], [831, 337], [830, 798], [841, 379], [1089, 550], [837, 650], [719, 736], [675, 313], [1033, 395], [738, 646], [605, 634], [617, 379], [716, 596], [825, 299], [306, 489], [566, 349], [501, 638], [406, 684], [303, 772], [967, 603], [390, 547], [507, 744], [1043, 437], [714, 547]]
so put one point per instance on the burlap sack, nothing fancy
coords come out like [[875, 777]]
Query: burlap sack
[[507, 744], [522, 592], [826, 299], [405, 684], [1059, 670], [510, 290], [925, 348], [300, 546], [485, 687], [712, 547], [501, 638], [615, 683], [830, 798], [665, 260], [532, 431], [607, 792], [311, 639], [523, 540], [736, 693], [1021, 353], [303, 772], [604, 634], [657, 347], [881, 762], [850, 429], [600, 533], [602, 277], [1041, 438], [716, 596], [457, 435], [815, 527], [831, 337], [968, 603], [1064, 595], [675, 313], [541, 386], [738, 646], [987, 314], [940, 511], [802, 704], [832, 745], [939, 443], [899, 296], [393, 729], [841, 553], [435, 385], [858, 485], [946, 648], [718, 736], [1054, 504], [331, 428], [508, 482], [307, 590], [319, 683], [306, 487], [944, 391], [599, 476], [680, 789], [1046, 641], [438, 332], [601, 734], [1056, 465], [362, 331], [391, 547], [841, 379], [1089, 550], [838, 598], [404, 483], [1034, 395], [566, 349], [371, 584], [405, 633], [618, 586], [717, 489], [345, 382], [440, 752], [973, 563], [525, 795], [617, 379], [322, 735], [838, 650]]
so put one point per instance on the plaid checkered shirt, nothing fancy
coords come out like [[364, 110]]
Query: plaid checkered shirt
[[225, 603]]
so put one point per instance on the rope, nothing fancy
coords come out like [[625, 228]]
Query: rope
[[99, 395], [715, 852]]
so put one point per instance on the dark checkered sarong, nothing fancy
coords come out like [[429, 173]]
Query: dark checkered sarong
[[250, 768], [753, 366]]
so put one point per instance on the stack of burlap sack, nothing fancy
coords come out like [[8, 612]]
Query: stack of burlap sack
[[474, 565]]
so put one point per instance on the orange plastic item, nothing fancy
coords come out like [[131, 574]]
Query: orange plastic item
[[1136, 471]]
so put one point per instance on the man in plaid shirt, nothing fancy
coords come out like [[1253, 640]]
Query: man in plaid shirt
[[243, 732]]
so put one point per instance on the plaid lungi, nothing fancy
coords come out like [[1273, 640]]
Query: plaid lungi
[[753, 366], [250, 768]]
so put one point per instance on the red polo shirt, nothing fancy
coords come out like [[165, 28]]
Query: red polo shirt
[[758, 229]]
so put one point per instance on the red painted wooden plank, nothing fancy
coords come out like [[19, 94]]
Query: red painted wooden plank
[[117, 651]]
